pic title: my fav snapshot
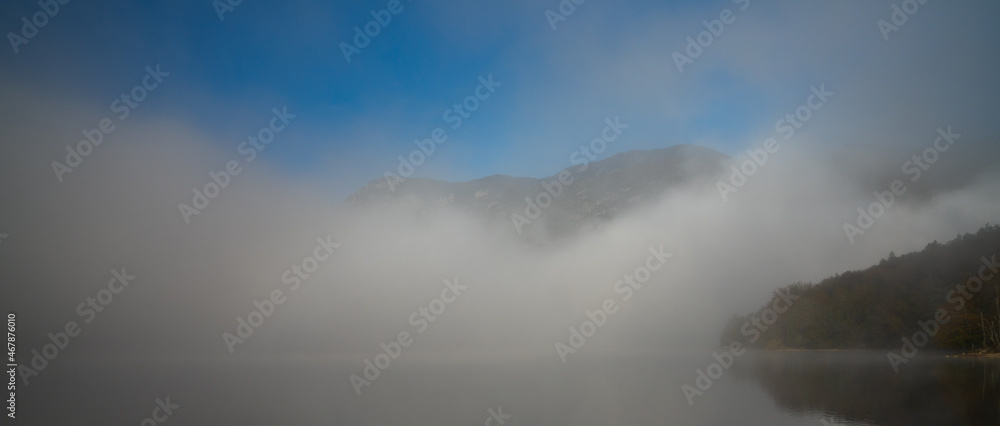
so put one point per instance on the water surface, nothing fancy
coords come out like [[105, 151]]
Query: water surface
[[784, 388]]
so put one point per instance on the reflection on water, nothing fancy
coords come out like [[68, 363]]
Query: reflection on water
[[774, 389], [861, 388]]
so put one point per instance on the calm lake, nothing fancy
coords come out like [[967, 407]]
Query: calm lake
[[786, 388]]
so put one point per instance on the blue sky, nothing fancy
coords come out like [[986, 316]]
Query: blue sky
[[607, 59]]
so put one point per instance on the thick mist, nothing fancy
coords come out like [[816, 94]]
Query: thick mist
[[119, 209]]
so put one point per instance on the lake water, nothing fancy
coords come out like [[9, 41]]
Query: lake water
[[789, 388]]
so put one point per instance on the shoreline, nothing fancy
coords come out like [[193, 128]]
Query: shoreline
[[976, 355], [938, 353]]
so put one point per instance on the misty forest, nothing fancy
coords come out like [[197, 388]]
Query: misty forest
[[528, 212]]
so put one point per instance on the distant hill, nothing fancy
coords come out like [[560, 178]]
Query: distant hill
[[876, 307], [599, 190]]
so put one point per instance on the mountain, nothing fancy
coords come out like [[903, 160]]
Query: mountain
[[582, 196], [948, 292]]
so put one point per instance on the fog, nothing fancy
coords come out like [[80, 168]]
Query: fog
[[189, 270], [119, 209]]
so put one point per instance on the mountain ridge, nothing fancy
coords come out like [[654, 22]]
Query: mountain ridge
[[584, 194]]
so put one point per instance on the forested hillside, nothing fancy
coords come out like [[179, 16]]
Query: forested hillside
[[875, 308]]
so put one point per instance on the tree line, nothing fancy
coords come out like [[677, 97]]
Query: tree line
[[873, 308]]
